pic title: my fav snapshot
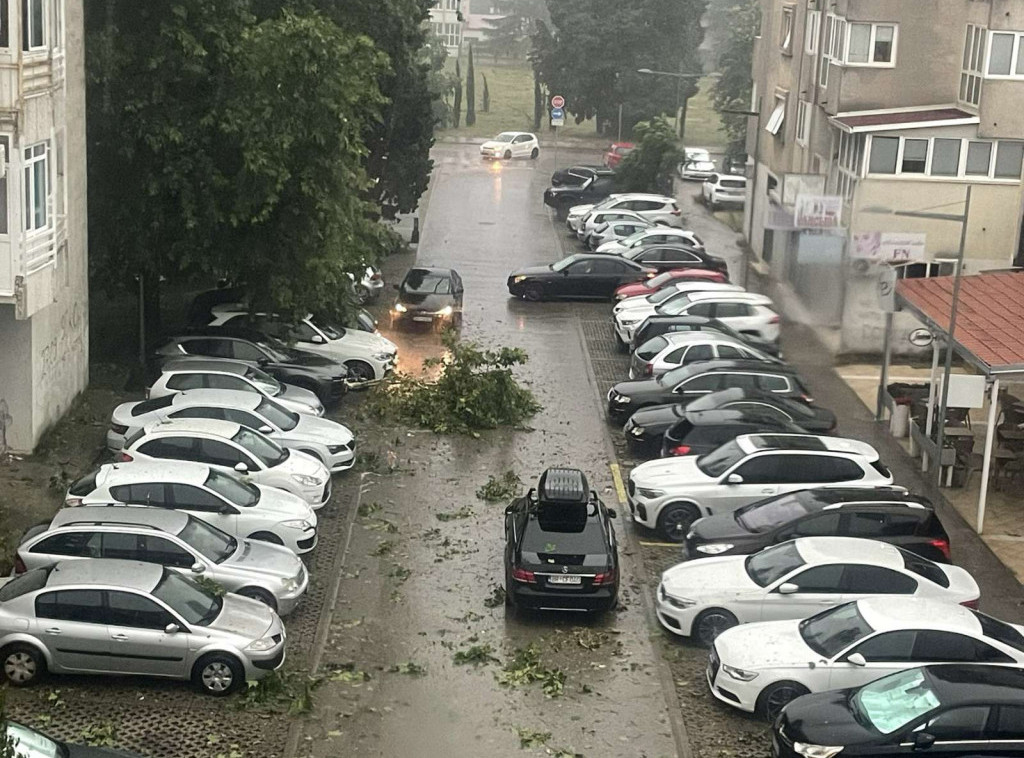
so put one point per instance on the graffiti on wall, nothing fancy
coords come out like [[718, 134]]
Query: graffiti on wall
[[65, 350]]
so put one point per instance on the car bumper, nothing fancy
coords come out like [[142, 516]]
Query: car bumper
[[624, 333], [492, 152], [288, 601], [258, 665], [741, 695], [594, 601], [343, 460], [678, 621], [305, 542], [421, 317], [643, 513], [618, 411]]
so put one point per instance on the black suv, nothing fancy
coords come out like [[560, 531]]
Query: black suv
[[591, 191], [886, 514], [686, 383], [560, 547], [657, 325], [700, 432], [325, 377], [954, 710]]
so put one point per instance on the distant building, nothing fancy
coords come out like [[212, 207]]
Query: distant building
[[445, 23], [44, 344], [870, 110]]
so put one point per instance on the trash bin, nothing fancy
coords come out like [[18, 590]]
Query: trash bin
[[899, 424]]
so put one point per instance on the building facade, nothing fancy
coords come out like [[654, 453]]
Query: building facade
[[876, 116], [448, 20], [44, 355]]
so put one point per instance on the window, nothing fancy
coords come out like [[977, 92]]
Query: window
[[5, 141], [161, 550], [888, 647], [72, 543], [224, 382], [37, 181], [883, 155], [774, 125], [835, 46], [823, 468], [971, 66], [821, 525], [121, 546], [175, 448], [131, 610], [1010, 724], [705, 383], [819, 580], [786, 37], [926, 270], [195, 499], [871, 44], [959, 724], [876, 524], [851, 160], [214, 413], [875, 580], [765, 469], [33, 14], [1002, 53], [147, 493], [728, 352], [812, 28], [185, 382], [915, 156], [732, 310], [1008, 160], [219, 453], [979, 156], [945, 157], [772, 383], [85, 606], [699, 353], [803, 121]]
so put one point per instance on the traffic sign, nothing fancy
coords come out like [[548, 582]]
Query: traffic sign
[[557, 101], [557, 113], [558, 122]]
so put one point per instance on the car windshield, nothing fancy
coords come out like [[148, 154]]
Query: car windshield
[[331, 331], [656, 298], [424, 283], [773, 563], [233, 489], [282, 418], [565, 262], [28, 743], [148, 406], [721, 459], [270, 453], [651, 348], [210, 541], [193, 603], [505, 137], [1000, 630], [264, 381], [765, 515], [834, 630], [675, 306], [659, 280], [275, 348], [577, 537], [892, 702], [635, 237]]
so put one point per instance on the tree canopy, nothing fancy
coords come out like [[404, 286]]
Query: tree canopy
[[732, 89]]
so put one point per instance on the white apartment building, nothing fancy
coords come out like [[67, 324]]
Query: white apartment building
[[444, 20]]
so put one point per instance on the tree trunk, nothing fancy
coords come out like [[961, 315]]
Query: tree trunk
[[457, 103], [538, 102], [470, 90]]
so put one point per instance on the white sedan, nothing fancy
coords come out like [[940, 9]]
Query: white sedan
[[574, 218], [328, 441], [511, 145], [761, 667], [795, 580], [746, 312]]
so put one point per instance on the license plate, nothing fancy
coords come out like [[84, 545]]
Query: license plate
[[422, 318], [566, 579]]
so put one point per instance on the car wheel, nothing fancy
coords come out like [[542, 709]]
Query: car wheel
[[23, 665], [270, 537], [257, 593], [533, 292], [508, 155], [775, 697], [675, 520], [218, 674], [535, 152], [711, 623], [360, 371]]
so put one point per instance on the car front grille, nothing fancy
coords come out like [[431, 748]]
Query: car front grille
[[271, 663], [307, 543], [631, 487], [327, 491], [714, 662]]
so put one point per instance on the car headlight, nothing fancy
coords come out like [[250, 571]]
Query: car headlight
[[740, 674], [620, 399], [307, 481], [289, 584], [627, 322], [816, 751], [446, 311], [267, 643], [649, 494], [335, 449], [714, 549], [518, 279], [297, 523], [679, 602], [637, 431], [383, 356], [399, 308]]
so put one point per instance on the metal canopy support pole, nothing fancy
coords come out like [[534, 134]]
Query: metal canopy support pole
[[986, 466], [883, 381], [931, 402]]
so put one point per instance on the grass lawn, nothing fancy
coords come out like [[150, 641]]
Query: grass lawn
[[511, 89]]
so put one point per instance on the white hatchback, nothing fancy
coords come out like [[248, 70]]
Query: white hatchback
[[675, 349], [654, 299], [797, 579], [511, 145], [596, 218], [761, 667], [232, 448], [724, 189]]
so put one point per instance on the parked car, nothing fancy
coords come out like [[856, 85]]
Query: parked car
[[724, 189], [560, 547], [746, 312], [564, 198], [31, 743], [509, 145], [671, 493], [614, 230], [794, 580], [613, 155], [647, 428], [429, 295], [272, 574], [656, 209], [701, 432], [232, 448], [851, 645], [574, 176], [658, 324], [576, 213], [890, 515], [326, 378], [676, 349], [686, 383], [328, 441], [180, 374], [955, 710], [696, 164], [366, 355], [585, 276], [588, 223], [646, 302], [655, 236], [240, 508], [674, 256], [70, 617], [667, 279]]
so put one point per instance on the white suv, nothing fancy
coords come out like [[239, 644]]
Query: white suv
[[240, 508], [746, 312], [596, 218], [656, 235], [671, 493], [724, 189], [232, 448]]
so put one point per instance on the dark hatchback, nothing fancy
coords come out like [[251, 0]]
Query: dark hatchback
[[581, 276], [560, 547], [431, 296], [327, 378], [591, 191], [886, 514], [658, 325], [667, 258], [700, 432], [954, 710], [687, 383]]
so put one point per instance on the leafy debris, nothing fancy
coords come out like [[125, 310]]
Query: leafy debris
[[463, 512], [410, 668], [348, 673], [497, 597], [500, 488], [524, 667], [383, 548], [529, 738], [477, 655]]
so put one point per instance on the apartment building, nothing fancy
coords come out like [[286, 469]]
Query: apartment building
[[448, 20], [43, 267], [876, 118]]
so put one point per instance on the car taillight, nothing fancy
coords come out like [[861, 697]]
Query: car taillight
[[375, 278], [648, 369], [972, 604], [124, 458], [19, 565], [681, 450], [808, 399], [607, 577], [118, 429], [676, 212], [522, 575], [942, 546], [774, 320]]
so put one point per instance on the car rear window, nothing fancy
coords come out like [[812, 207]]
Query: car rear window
[[997, 630], [576, 537], [881, 468], [734, 183], [30, 581], [924, 567], [651, 348], [84, 486], [148, 406]]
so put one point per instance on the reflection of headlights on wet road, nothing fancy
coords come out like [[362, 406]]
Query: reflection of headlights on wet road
[[399, 308]]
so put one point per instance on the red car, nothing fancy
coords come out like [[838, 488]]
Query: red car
[[616, 153], [666, 278]]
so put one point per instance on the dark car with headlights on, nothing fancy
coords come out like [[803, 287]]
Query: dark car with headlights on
[[560, 547], [951, 710], [658, 325], [578, 277], [886, 514], [429, 296]]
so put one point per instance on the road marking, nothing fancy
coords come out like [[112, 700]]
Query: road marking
[[658, 544], [620, 491]]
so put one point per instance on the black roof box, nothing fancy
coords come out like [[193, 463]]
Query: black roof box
[[563, 485]]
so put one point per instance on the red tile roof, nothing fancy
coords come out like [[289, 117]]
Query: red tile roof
[[990, 318], [902, 118]]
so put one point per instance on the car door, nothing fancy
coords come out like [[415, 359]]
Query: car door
[[818, 589], [72, 624], [249, 419], [759, 477], [606, 275], [1006, 730], [138, 639], [736, 315], [520, 145], [676, 258], [225, 456], [957, 731], [205, 505], [575, 280], [862, 580], [695, 387], [246, 351], [883, 654], [142, 493]]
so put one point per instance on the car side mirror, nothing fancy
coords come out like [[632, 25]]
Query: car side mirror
[[318, 340], [856, 659], [923, 741], [509, 509], [788, 588], [241, 468], [172, 629], [734, 479], [198, 568], [612, 513], [265, 429]]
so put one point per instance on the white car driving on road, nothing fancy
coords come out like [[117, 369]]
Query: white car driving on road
[[511, 145]]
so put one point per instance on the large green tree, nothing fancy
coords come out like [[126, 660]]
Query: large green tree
[[651, 166], [732, 89], [508, 33]]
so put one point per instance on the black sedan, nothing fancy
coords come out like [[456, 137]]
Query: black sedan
[[700, 432], [954, 710], [574, 176], [591, 191], [658, 324], [429, 296], [887, 514], [560, 547], [669, 257], [581, 276]]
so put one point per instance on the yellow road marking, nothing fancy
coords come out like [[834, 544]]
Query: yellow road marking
[[660, 544], [620, 491]]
